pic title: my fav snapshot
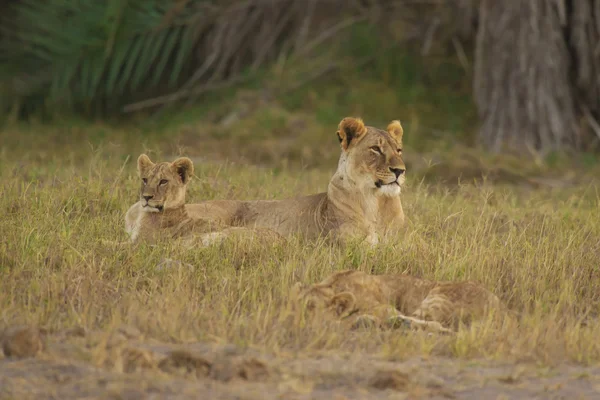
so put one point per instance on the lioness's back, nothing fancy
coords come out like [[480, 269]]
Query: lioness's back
[[287, 216]]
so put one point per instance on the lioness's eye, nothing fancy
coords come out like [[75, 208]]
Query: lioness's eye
[[376, 149], [145, 181], [163, 181], [400, 151]]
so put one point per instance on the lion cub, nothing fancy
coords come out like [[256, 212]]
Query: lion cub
[[162, 211], [393, 299]]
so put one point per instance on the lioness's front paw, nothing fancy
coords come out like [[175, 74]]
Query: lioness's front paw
[[209, 239], [372, 240]]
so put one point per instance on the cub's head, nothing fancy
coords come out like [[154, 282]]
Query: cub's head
[[372, 158], [323, 300], [163, 184]]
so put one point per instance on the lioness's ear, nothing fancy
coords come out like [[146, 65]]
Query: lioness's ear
[[184, 168], [342, 302], [395, 129], [144, 164], [350, 129]]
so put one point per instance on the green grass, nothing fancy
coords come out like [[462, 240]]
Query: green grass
[[535, 247]]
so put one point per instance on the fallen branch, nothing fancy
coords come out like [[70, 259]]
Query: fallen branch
[[178, 95]]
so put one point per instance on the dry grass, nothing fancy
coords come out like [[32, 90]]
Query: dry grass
[[537, 249]]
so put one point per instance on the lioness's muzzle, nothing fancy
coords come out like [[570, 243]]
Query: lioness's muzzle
[[159, 207], [380, 183]]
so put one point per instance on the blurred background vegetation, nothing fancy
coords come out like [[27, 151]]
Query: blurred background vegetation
[[519, 76]]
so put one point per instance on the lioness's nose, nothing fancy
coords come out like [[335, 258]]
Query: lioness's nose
[[397, 171], [147, 197]]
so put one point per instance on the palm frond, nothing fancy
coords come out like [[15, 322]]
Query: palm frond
[[114, 52], [95, 50]]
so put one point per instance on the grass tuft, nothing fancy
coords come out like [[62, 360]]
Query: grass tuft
[[536, 248]]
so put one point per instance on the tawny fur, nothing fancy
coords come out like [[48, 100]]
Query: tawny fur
[[362, 201], [162, 211], [399, 298]]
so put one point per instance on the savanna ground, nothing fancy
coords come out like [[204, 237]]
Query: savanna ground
[[159, 322]]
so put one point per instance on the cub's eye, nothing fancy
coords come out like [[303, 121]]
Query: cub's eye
[[145, 181], [399, 151], [163, 182], [376, 149]]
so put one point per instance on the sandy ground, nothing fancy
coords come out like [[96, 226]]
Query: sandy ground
[[77, 365]]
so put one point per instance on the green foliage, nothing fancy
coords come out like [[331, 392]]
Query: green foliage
[[90, 56], [67, 54]]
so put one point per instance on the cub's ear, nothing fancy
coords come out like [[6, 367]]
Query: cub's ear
[[350, 129], [184, 168], [342, 302], [395, 129], [144, 164]]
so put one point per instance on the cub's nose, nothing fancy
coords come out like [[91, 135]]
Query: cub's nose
[[147, 198], [397, 171]]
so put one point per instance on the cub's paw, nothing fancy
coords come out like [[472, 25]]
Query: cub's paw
[[399, 322], [365, 322]]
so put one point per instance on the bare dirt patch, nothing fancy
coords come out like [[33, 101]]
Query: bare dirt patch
[[70, 368]]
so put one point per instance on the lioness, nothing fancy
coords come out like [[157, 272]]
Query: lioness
[[362, 201], [398, 298], [162, 211]]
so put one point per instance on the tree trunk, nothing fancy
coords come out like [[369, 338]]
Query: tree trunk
[[522, 85], [585, 43]]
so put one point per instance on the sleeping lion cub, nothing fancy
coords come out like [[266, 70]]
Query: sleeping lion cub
[[392, 299], [362, 201]]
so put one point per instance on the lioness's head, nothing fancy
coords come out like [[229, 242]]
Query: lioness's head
[[372, 158], [163, 184]]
